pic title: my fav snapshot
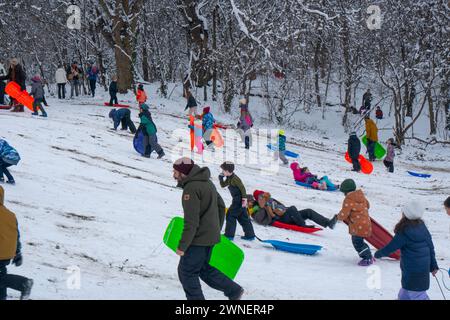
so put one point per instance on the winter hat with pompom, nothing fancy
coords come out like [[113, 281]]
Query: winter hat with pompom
[[413, 210]]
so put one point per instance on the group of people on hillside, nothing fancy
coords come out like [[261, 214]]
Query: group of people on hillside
[[204, 215], [74, 75]]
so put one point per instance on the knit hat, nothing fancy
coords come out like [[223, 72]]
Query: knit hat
[[184, 165], [112, 112], [144, 107], [228, 166], [36, 78], [353, 133], [257, 193], [413, 210], [141, 86], [206, 110], [348, 186], [281, 132]]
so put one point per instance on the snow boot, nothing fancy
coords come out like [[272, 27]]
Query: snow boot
[[366, 262], [35, 114], [11, 182], [332, 222], [239, 295], [2, 179], [25, 293], [248, 238], [44, 115], [229, 238], [162, 154]]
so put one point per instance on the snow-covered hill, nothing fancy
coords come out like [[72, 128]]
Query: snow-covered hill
[[85, 199]]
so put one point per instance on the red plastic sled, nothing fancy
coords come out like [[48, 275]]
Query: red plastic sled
[[294, 227], [5, 107], [380, 238], [117, 105], [366, 165], [14, 91]]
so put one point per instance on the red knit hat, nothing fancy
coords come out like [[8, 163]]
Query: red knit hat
[[184, 165], [206, 110], [257, 193]]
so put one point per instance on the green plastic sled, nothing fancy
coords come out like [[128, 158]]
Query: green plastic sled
[[225, 257], [380, 151]]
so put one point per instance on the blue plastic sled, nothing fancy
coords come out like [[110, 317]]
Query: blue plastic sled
[[310, 187], [287, 153], [419, 175], [138, 142], [298, 248]]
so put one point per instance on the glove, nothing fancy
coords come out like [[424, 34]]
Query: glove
[[18, 260]]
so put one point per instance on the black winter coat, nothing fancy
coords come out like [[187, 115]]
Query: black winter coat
[[16, 74], [354, 147]]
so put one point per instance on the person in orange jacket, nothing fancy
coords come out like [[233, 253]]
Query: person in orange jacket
[[141, 96], [372, 137]]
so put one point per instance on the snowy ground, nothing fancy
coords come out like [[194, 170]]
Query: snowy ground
[[85, 198]]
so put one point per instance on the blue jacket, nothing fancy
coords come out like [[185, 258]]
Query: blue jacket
[[417, 256], [208, 121], [118, 115], [92, 75], [8, 154]]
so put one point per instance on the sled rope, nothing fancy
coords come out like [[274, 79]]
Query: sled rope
[[439, 285]]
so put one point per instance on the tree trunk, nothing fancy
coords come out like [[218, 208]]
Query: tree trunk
[[431, 113], [145, 66]]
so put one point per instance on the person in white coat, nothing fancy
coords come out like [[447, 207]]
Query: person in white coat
[[61, 80], [2, 84]]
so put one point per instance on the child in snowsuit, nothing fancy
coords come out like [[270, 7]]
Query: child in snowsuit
[[417, 259], [150, 139], [280, 153], [8, 157], [379, 113], [208, 126], [354, 148], [10, 249], [303, 175], [238, 208], [245, 124], [141, 96], [37, 91], [355, 213], [389, 160], [123, 116], [113, 89], [267, 210]]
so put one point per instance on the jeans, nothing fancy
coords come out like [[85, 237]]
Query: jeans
[[404, 294], [371, 149], [389, 165], [194, 265], [5, 171], [280, 154], [61, 90], [74, 87], [361, 247], [239, 214], [92, 84], [9, 280]]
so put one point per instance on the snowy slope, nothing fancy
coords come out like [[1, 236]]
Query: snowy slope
[[85, 198]]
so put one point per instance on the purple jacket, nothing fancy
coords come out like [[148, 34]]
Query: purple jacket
[[390, 153]]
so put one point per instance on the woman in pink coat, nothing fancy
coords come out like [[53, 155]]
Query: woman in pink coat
[[303, 175]]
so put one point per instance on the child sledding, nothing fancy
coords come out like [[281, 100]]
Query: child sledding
[[148, 130], [266, 211], [123, 117], [8, 157], [305, 178]]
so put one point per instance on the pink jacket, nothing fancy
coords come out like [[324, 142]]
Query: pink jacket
[[298, 175]]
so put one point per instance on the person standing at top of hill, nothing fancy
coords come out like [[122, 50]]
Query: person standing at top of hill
[[17, 74], [372, 136], [191, 103], [92, 74], [367, 100]]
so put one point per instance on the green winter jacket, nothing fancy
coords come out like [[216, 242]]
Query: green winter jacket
[[148, 124], [204, 210]]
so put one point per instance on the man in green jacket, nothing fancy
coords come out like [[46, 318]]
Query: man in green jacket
[[204, 212]]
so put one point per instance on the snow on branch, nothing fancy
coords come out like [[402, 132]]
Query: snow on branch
[[314, 11], [238, 13]]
